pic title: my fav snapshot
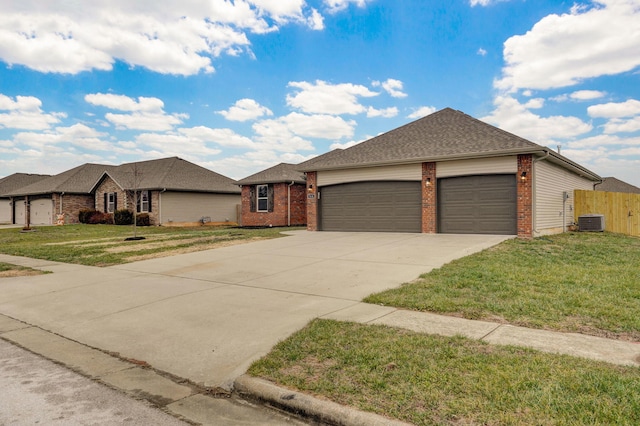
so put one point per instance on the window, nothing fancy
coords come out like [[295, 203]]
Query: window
[[110, 202], [262, 196], [144, 202]]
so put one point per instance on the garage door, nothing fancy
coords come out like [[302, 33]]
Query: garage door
[[41, 212], [5, 211], [477, 205], [371, 206]]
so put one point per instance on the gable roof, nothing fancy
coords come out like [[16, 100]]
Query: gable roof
[[173, 174], [611, 184], [444, 135], [18, 180], [168, 173], [283, 172]]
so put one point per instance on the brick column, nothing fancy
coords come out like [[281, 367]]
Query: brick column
[[312, 202], [429, 199], [525, 196]]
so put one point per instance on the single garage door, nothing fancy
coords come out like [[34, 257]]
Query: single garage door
[[477, 205], [5, 211], [41, 211], [371, 206]]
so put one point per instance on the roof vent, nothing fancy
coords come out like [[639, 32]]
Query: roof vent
[[591, 222]]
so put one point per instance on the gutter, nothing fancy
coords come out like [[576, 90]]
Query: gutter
[[289, 203], [160, 205]]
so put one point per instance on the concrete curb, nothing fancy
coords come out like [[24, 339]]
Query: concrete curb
[[308, 406]]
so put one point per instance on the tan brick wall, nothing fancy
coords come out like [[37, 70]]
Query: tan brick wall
[[429, 199], [525, 196], [312, 201], [280, 214]]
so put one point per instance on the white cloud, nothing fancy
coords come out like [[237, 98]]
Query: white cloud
[[144, 113], [392, 87], [586, 95], [174, 144], [310, 126], [321, 97], [344, 145], [514, 117], [78, 135], [482, 52], [603, 140], [386, 112], [164, 36], [563, 50], [423, 111], [25, 112], [615, 110], [339, 5], [222, 137], [244, 110], [618, 125]]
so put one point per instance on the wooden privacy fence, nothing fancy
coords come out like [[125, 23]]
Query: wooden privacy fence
[[621, 210]]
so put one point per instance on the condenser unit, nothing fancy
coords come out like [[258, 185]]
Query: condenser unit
[[591, 222]]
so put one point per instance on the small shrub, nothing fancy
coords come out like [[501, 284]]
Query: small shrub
[[123, 217], [100, 218], [85, 214], [143, 219]]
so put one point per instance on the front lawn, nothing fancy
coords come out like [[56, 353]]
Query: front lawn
[[9, 270], [103, 245], [434, 380], [578, 282]]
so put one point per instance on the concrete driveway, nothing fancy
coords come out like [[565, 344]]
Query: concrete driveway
[[206, 316]]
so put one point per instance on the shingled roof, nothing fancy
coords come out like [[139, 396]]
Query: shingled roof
[[283, 172], [444, 135], [174, 174], [18, 180], [611, 184]]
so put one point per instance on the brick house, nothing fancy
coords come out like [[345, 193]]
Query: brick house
[[274, 197], [170, 190], [444, 173]]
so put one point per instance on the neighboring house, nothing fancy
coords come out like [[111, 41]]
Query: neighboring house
[[449, 173], [274, 197], [611, 184], [12, 183], [170, 190]]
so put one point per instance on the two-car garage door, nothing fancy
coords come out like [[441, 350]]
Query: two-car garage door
[[466, 205]]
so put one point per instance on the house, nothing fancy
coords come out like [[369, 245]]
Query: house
[[611, 184], [448, 173], [12, 183], [276, 196], [170, 190]]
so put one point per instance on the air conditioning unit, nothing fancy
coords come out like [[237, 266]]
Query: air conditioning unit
[[591, 222]]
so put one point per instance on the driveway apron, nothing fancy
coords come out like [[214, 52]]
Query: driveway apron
[[206, 316]]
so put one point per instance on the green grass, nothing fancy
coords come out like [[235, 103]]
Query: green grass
[[103, 245], [433, 380], [578, 282], [6, 268]]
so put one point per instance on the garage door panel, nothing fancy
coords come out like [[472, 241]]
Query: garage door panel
[[477, 205], [371, 206]]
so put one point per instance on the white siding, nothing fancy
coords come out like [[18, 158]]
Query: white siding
[[5, 211], [405, 172], [480, 166], [191, 207], [551, 182]]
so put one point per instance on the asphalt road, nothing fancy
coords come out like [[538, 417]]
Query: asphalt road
[[37, 391]]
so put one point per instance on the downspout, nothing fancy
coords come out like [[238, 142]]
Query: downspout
[[61, 195], [533, 187], [289, 203], [160, 205]]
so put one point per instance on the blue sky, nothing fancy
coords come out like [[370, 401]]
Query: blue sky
[[239, 86]]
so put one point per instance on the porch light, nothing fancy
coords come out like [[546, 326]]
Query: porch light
[[310, 188], [523, 176], [428, 182]]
